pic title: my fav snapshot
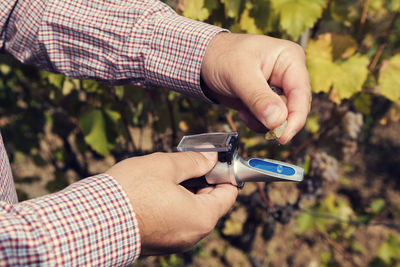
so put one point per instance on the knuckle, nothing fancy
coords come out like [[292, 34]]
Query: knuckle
[[195, 160]]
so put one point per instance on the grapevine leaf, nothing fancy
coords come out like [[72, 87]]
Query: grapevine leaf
[[232, 7], [321, 81], [332, 65], [351, 76], [344, 11], [363, 103], [55, 79], [394, 5], [264, 17], [248, 24], [5, 69], [97, 126], [377, 205], [305, 222], [298, 15], [343, 46], [389, 79], [195, 9], [389, 249], [312, 124]]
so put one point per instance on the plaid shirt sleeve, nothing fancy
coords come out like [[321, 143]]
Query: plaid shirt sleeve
[[116, 41], [90, 223]]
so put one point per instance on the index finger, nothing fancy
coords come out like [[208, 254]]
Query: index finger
[[219, 199]]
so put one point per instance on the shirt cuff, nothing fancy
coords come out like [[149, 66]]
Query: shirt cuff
[[91, 222], [176, 51]]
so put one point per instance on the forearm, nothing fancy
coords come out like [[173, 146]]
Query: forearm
[[88, 223], [140, 42]]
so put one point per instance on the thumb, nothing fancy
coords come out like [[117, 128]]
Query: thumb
[[258, 96], [186, 165]]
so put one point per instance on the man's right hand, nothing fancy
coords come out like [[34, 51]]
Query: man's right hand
[[172, 218], [237, 69]]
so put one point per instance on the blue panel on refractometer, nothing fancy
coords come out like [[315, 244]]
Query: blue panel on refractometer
[[271, 167]]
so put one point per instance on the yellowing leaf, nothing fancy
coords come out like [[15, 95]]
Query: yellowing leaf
[[389, 78], [395, 5], [195, 9], [351, 76], [232, 7], [320, 48], [322, 74], [298, 15], [248, 24], [312, 124], [344, 76], [343, 46], [363, 103]]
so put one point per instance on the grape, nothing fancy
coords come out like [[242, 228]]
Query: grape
[[268, 227], [277, 132], [352, 123], [349, 149], [325, 167], [283, 214]]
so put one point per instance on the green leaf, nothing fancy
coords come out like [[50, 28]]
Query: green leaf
[[389, 250], [389, 78], [312, 124], [363, 103], [98, 127], [5, 69], [248, 24], [298, 15], [377, 205], [351, 76], [264, 17], [56, 79], [232, 8], [195, 9], [394, 5], [305, 222], [331, 65]]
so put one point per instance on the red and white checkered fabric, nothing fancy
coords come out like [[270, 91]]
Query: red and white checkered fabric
[[116, 41]]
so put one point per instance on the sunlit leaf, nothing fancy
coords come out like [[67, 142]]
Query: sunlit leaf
[[298, 15], [96, 126], [351, 76], [394, 5], [330, 66], [389, 78], [312, 124], [232, 7], [389, 249], [56, 79], [195, 9], [5, 69], [378, 205], [247, 23], [305, 222]]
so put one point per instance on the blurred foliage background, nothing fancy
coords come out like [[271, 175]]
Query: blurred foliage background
[[347, 210]]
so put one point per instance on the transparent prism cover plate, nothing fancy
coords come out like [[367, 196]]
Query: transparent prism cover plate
[[219, 142]]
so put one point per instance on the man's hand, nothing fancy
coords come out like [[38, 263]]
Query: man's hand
[[172, 218], [239, 69]]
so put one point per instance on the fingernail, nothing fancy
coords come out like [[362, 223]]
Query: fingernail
[[271, 115], [289, 137], [211, 156]]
